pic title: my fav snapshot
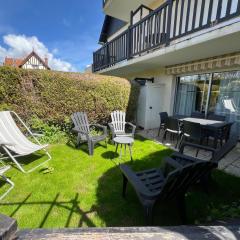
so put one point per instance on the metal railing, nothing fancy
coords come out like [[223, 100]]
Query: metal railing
[[172, 20]]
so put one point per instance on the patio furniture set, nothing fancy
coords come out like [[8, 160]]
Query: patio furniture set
[[181, 171], [118, 127], [152, 185], [196, 128], [14, 143]]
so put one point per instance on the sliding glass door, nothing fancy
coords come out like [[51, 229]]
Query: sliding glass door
[[217, 93], [192, 94]]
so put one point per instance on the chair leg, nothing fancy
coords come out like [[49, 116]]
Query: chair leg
[[182, 208], [125, 181], [148, 210], [181, 149], [164, 136], [90, 148], [177, 141]]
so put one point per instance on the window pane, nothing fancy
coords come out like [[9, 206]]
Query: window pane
[[192, 94], [225, 97]]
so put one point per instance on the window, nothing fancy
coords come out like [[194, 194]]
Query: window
[[217, 93]]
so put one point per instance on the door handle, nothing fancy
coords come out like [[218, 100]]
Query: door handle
[[150, 107]]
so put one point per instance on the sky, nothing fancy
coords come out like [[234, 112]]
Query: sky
[[65, 31]]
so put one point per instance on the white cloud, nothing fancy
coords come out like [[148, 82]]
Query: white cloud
[[19, 46]]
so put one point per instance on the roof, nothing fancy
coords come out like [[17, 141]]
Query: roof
[[110, 26], [33, 53], [19, 62], [14, 62]]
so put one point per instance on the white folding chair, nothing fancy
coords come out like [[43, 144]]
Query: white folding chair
[[2, 171], [15, 143]]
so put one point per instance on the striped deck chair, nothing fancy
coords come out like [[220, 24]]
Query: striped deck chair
[[15, 143], [4, 169], [118, 125]]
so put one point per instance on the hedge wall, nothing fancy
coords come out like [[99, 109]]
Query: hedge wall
[[54, 96]]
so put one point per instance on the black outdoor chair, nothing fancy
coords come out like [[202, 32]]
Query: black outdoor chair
[[192, 132], [155, 185], [152, 185], [163, 120], [217, 155], [198, 115], [172, 126], [222, 135], [83, 130], [216, 117]]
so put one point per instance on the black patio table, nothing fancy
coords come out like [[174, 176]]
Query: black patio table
[[206, 124]]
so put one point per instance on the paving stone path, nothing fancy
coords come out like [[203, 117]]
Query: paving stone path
[[230, 163]]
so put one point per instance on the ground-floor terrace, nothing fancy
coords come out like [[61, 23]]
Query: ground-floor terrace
[[206, 87]]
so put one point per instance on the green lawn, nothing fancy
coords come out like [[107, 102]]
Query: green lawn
[[86, 191]]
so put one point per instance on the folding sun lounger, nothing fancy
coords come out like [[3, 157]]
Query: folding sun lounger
[[3, 169], [15, 143]]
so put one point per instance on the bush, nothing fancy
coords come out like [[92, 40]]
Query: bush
[[54, 96]]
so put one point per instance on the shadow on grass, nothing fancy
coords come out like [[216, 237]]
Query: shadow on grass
[[84, 146], [110, 155], [116, 211], [29, 161], [71, 206]]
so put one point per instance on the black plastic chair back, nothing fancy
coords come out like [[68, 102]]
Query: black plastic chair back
[[192, 130], [216, 117], [178, 181], [172, 124], [163, 117], [226, 131], [197, 115], [225, 149]]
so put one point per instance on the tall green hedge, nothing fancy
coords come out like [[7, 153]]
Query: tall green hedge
[[54, 96]]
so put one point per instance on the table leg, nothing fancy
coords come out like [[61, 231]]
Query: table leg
[[215, 139], [125, 149], [130, 150], [116, 147], [121, 152]]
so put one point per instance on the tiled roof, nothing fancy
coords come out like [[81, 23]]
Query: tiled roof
[[14, 62]]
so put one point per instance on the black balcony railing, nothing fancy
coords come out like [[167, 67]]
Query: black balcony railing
[[172, 20]]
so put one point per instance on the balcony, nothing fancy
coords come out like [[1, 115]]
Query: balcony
[[171, 21]]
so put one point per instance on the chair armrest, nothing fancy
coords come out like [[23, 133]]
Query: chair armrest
[[133, 127], [172, 162], [194, 145], [77, 130], [135, 182], [185, 158], [111, 128], [38, 134], [104, 128]]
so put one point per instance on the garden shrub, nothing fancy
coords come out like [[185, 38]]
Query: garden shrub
[[54, 96]]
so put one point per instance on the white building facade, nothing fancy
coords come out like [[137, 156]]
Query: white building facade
[[188, 52]]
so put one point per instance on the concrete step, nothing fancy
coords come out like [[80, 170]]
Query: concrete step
[[227, 232], [8, 228]]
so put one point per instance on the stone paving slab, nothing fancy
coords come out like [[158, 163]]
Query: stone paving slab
[[229, 164], [231, 232]]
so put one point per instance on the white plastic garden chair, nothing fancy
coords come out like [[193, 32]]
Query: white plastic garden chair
[[15, 143], [118, 125]]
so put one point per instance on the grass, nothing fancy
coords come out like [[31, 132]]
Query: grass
[[84, 191]]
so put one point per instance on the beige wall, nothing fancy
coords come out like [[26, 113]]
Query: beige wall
[[118, 33], [155, 4]]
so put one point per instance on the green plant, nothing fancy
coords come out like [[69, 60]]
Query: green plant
[[48, 134], [54, 96]]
